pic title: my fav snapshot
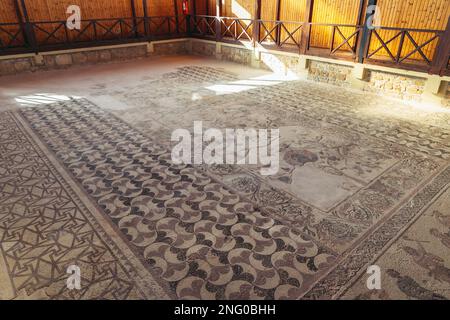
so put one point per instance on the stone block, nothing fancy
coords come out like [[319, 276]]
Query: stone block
[[92, 56], [22, 65], [7, 67], [63, 60], [80, 58], [104, 55]]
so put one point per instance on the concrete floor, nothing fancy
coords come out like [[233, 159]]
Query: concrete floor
[[86, 179]]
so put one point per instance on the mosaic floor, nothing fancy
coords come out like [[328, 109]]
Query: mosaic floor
[[363, 180]]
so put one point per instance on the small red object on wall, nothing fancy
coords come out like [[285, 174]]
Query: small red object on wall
[[185, 6]]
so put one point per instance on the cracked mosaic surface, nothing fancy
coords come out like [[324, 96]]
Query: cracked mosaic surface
[[353, 177]]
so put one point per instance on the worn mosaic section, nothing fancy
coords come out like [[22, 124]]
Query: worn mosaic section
[[426, 131], [45, 228], [353, 180], [418, 261], [355, 172], [335, 283], [204, 240], [335, 141]]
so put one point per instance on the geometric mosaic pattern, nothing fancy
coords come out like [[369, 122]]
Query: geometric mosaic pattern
[[45, 228], [80, 185], [205, 241]]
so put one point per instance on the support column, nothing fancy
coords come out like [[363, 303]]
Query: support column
[[360, 22], [440, 59], [277, 18], [256, 18], [306, 30], [133, 13], [177, 20], [363, 45], [29, 30]]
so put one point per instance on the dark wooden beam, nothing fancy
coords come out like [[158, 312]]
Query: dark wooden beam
[[442, 54], [133, 12], [146, 22], [177, 21], [365, 37], [207, 7], [256, 18], [31, 37], [277, 18], [306, 30], [194, 7], [20, 20]]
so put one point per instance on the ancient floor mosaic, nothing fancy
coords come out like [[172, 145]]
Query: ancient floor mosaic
[[361, 181]]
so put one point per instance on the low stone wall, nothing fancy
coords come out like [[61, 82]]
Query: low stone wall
[[236, 54], [50, 61], [172, 48], [446, 98], [203, 48], [280, 63], [17, 65], [330, 73], [397, 86], [381, 81]]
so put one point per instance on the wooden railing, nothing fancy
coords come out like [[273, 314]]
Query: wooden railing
[[387, 46], [11, 36], [49, 35], [382, 45], [236, 29], [283, 34]]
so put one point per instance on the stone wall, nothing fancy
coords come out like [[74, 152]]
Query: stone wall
[[446, 98], [394, 85], [172, 48], [235, 54], [330, 73], [66, 60], [280, 63], [203, 48], [14, 66]]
